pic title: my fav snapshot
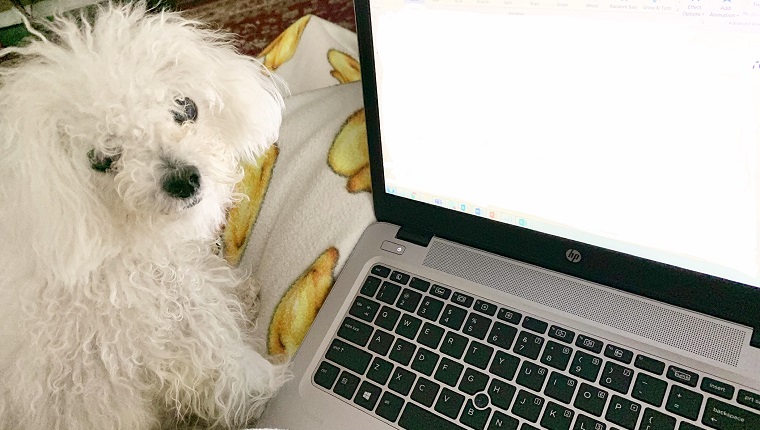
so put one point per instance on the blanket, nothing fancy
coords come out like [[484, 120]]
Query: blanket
[[309, 196]]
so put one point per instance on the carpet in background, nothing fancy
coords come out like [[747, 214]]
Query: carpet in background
[[258, 22]]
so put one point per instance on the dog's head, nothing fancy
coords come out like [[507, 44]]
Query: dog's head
[[133, 124]]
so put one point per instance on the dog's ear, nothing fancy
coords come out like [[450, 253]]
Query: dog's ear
[[45, 202], [251, 106]]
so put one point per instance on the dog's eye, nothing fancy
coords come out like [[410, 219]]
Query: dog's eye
[[101, 162], [187, 111]]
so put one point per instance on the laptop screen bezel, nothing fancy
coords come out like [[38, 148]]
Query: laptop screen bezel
[[691, 290]]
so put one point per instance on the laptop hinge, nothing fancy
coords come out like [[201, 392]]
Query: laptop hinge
[[415, 237]]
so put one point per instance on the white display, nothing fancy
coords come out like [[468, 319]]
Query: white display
[[629, 125]]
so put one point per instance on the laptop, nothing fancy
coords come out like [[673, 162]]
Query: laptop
[[568, 235]]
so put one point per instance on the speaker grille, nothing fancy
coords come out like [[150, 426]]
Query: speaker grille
[[619, 310]]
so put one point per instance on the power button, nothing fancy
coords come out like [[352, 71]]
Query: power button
[[393, 247]]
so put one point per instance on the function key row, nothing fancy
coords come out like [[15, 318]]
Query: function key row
[[461, 299]]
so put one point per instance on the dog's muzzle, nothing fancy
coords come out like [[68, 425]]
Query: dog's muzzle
[[181, 181]]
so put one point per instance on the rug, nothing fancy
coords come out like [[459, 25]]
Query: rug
[[258, 22]]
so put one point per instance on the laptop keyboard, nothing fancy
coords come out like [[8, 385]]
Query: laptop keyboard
[[425, 356]]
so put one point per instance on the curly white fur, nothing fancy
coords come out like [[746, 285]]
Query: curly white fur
[[116, 313]]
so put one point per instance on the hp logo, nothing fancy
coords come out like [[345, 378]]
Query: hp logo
[[573, 255]]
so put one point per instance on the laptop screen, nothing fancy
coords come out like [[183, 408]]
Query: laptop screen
[[631, 125]]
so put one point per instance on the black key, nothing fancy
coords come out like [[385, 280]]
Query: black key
[[476, 325], [453, 345], [478, 355], [528, 345], [649, 364], [721, 389], [449, 403], [623, 412], [587, 423], [473, 417], [532, 376], [348, 356], [401, 278], [417, 418], [500, 421], [526, 426], [388, 292], [501, 393], [381, 271], [367, 395], [683, 402], [380, 370], [561, 334], [722, 416], [462, 299], [419, 284], [534, 324], [369, 288], [616, 377], [387, 318], [502, 335], [556, 355], [654, 420], [473, 381], [389, 406], [589, 343], [586, 366], [748, 398], [485, 307], [686, 426], [448, 372], [430, 335], [430, 308], [364, 308], [408, 300], [424, 391], [618, 353], [402, 352], [425, 361], [453, 317], [649, 389], [381, 342], [591, 399], [401, 381], [527, 406], [504, 365], [326, 374], [346, 385], [557, 417], [408, 326], [682, 375], [509, 316], [560, 387], [355, 331], [440, 291]]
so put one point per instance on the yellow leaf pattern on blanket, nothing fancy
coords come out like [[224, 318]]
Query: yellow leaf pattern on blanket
[[242, 216], [284, 46], [345, 67], [349, 154], [299, 306]]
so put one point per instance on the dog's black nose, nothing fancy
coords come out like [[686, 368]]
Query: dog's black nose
[[182, 182]]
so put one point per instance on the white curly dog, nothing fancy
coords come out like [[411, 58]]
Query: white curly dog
[[121, 139]]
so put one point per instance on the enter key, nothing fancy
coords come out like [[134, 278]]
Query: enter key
[[722, 416]]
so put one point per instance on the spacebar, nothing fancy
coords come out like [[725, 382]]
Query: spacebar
[[416, 418]]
